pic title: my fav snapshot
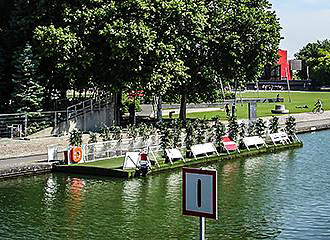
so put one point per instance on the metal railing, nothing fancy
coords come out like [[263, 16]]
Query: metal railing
[[87, 106], [28, 123], [117, 148]]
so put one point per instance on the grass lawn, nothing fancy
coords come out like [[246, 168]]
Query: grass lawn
[[264, 109], [112, 163]]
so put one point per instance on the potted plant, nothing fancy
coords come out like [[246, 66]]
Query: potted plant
[[190, 138], [91, 148], [260, 127], [290, 127], [75, 142], [273, 124], [233, 128]]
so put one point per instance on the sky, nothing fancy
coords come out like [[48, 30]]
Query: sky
[[303, 21]]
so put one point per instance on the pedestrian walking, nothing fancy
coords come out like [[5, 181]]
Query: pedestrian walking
[[227, 109], [233, 109]]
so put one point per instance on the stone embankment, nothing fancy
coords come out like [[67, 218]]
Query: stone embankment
[[19, 157]]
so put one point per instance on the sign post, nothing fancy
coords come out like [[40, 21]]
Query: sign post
[[199, 196]]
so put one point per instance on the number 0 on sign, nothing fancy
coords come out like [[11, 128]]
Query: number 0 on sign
[[199, 192]]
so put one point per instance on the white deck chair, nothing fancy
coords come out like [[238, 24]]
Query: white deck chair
[[131, 160], [173, 154], [280, 137], [254, 141], [151, 150], [210, 148], [197, 149]]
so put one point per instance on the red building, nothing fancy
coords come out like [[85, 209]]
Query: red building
[[284, 66], [282, 69]]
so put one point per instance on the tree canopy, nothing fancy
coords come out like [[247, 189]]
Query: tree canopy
[[317, 58], [175, 47]]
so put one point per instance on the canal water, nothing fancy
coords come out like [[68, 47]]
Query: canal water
[[279, 196]]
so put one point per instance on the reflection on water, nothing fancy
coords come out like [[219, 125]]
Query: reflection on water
[[279, 196]]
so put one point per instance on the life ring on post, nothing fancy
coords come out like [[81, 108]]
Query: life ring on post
[[76, 154]]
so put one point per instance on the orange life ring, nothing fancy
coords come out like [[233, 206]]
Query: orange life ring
[[76, 154]]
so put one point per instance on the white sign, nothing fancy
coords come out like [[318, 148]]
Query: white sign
[[199, 192]]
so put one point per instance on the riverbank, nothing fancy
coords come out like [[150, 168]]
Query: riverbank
[[13, 153]]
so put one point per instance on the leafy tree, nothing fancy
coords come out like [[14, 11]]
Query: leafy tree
[[220, 131], [274, 124], [201, 130], [317, 58], [233, 127], [75, 138], [251, 130], [260, 127], [238, 38], [190, 137], [28, 92], [290, 126], [92, 137], [242, 132]]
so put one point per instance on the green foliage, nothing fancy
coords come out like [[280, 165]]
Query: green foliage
[[251, 130], [92, 137], [105, 134], [126, 102], [233, 127], [116, 132], [242, 130], [167, 137], [290, 126], [190, 135], [27, 95], [260, 127], [274, 124], [171, 47], [177, 130], [220, 131], [75, 138], [145, 131], [133, 131], [317, 57], [200, 126]]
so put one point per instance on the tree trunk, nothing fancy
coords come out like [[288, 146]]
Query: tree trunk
[[183, 107], [159, 109]]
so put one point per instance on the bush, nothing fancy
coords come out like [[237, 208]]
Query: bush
[[273, 124], [260, 127], [242, 130], [290, 126], [220, 131], [190, 137], [201, 129], [167, 137], [105, 134], [233, 128], [92, 137], [251, 129], [75, 138]]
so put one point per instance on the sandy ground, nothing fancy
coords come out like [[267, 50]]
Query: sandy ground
[[18, 148]]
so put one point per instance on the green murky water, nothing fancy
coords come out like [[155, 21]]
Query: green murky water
[[279, 196]]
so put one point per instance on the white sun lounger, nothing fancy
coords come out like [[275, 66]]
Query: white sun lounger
[[280, 137], [131, 160], [203, 149], [174, 154], [254, 141]]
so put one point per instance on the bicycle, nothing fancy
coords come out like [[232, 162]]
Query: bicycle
[[318, 109]]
